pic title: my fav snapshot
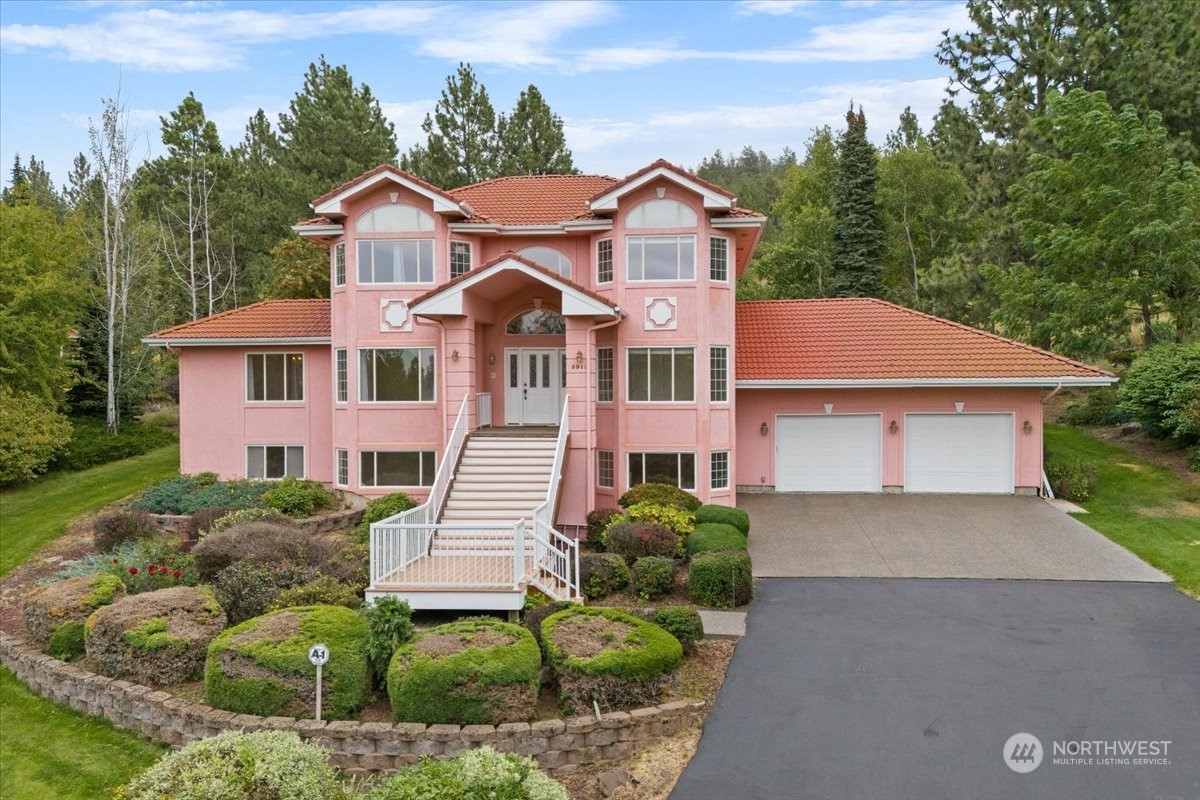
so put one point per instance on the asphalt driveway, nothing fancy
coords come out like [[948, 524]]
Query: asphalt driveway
[[929, 536], [875, 689]]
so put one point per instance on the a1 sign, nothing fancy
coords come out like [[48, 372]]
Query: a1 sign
[[318, 654]]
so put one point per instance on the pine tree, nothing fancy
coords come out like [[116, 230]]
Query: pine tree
[[461, 145], [857, 229], [531, 139]]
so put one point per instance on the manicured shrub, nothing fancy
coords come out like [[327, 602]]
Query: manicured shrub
[[720, 578], [679, 521], [715, 536], [261, 666], [32, 433], [246, 589], [122, 525], [264, 765], [477, 671], [609, 657], [477, 774], [324, 591], [189, 493], [682, 622], [1162, 391], [92, 444], [601, 574], [297, 498], [724, 515], [633, 540], [381, 508], [534, 617], [653, 576], [659, 494], [48, 607], [597, 521], [389, 625], [1071, 479], [156, 638]]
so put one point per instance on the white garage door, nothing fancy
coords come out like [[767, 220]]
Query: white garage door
[[828, 453], [966, 453]]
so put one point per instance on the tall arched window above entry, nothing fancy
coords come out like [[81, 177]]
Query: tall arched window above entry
[[394, 219], [661, 214], [536, 322], [549, 258]]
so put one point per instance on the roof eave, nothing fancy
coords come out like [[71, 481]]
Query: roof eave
[[441, 203], [551, 229], [319, 231], [235, 342], [713, 201], [738, 222], [901, 383]]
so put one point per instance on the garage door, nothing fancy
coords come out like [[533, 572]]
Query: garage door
[[828, 453], [968, 453]]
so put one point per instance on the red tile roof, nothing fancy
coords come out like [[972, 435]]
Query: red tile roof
[[532, 199], [372, 173], [270, 319], [857, 339]]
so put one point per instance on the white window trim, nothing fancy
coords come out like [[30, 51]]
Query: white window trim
[[470, 256], [677, 236], [678, 462], [376, 453], [612, 375], [724, 239], [712, 471], [612, 476], [612, 256], [341, 376], [339, 264], [629, 382], [711, 384], [303, 460], [339, 454], [303, 378], [432, 263], [432, 400]]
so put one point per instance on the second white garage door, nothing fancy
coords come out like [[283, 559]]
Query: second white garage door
[[967, 453], [828, 453]]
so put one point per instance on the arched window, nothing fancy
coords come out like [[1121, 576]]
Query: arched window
[[536, 322], [661, 214], [394, 219], [549, 258]]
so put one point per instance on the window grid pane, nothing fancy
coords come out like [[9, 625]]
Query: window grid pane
[[604, 375], [676, 469], [604, 261], [718, 470], [272, 462], [275, 377], [605, 477], [460, 258], [396, 375], [343, 468], [397, 468], [718, 258], [662, 374], [342, 382], [718, 374], [395, 261], [660, 258], [339, 264]]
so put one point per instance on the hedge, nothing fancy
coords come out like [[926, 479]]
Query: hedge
[[720, 578], [724, 515], [653, 576], [715, 536], [660, 494]]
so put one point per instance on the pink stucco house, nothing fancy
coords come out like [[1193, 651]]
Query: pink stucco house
[[523, 350]]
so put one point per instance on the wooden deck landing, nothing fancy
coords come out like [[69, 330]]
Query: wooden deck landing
[[476, 573]]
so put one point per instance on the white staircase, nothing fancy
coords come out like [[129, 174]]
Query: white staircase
[[500, 480]]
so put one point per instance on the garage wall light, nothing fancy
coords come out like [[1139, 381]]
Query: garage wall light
[[763, 429], [893, 429], [1027, 427]]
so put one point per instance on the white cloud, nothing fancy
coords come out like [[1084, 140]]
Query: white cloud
[[775, 8], [520, 37], [407, 117]]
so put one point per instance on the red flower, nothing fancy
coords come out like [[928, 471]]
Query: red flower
[[176, 574], [133, 570], [150, 569]]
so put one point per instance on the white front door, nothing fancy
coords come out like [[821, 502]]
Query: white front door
[[533, 386]]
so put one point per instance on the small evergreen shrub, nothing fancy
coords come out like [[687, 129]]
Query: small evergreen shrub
[[682, 622], [324, 591], [261, 666], [91, 443], [601, 574], [477, 671], [67, 642], [681, 522], [720, 578], [633, 540], [264, 765], [246, 589], [609, 657], [1071, 479], [389, 625], [380, 509], [726, 516], [1094, 408], [477, 774], [653, 576], [597, 521], [296, 497], [534, 617], [123, 525], [659, 494], [715, 536], [189, 493]]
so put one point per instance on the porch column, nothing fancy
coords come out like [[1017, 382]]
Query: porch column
[[576, 494], [460, 371]]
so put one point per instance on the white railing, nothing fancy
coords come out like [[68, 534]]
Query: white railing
[[462, 557], [392, 548], [483, 409], [553, 552]]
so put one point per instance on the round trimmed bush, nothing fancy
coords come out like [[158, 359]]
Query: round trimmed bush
[[715, 536], [726, 516], [381, 508], [660, 494], [682, 622], [261, 666], [633, 540], [601, 574], [477, 671], [264, 765], [653, 576], [471, 775], [157, 638], [597, 521], [609, 657], [720, 578], [296, 497], [48, 608]]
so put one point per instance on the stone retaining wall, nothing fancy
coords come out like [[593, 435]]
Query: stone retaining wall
[[560, 746], [323, 523]]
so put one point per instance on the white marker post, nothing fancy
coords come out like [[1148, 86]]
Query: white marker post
[[318, 654]]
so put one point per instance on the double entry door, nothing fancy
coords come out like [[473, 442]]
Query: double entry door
[[533, 385]]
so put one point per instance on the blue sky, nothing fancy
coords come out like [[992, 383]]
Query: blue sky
[[633, 81]]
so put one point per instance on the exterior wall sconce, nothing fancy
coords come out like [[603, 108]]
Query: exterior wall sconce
[[893, 428], [1027, 428], [454, 356], [393, 196], [763, 429], [579, 359], [491, 358], [537, 302]]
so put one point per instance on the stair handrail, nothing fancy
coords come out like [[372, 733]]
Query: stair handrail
[[543, 515]]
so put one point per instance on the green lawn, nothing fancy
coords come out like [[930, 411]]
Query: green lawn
[[52, 751], [33, 515], [1146, 509]]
